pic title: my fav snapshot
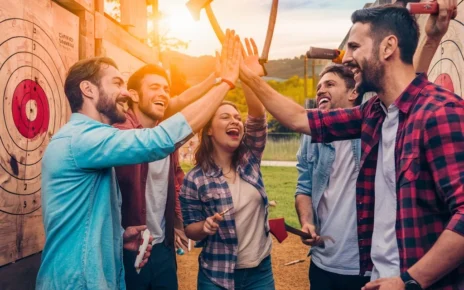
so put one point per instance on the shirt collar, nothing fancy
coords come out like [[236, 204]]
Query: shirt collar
[[82, 117], [132, 118], [406, 99]]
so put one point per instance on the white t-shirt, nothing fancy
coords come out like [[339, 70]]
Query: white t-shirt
[[156, 194], [339, 200], [384, 251], [253, 244]]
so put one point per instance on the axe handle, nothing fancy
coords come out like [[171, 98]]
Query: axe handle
[[270, 30], [426, 8], [322, 53], [214, 23], [297, 232]]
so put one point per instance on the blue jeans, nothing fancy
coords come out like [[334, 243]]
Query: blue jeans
[[257, 278]]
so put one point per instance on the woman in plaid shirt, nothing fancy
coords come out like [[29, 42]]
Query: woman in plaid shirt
[[224, 203]]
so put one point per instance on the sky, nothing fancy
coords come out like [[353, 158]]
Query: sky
[[300, 24]]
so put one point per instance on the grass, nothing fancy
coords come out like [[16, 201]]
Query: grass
[[280, 185], [281, 150]]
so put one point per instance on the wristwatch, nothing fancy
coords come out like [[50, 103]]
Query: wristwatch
[[409, 282], [217, 81]]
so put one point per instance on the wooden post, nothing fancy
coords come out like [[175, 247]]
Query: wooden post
[[313, 74], [305, 78], [100, 8], [86, 34], [134, 17]]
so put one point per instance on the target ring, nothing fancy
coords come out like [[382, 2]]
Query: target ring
[[30, 109], [34, 107]]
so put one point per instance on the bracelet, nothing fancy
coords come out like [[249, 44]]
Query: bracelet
[[231, 84]]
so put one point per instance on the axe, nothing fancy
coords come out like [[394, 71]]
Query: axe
[[336, 55], [279, 229], [426, 8], [195, 7]]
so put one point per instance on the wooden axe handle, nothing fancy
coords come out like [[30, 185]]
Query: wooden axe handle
[[297, 232]]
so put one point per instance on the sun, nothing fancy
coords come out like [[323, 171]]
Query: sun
[[180, 24]]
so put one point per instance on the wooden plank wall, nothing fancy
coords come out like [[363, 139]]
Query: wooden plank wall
[[40, 40]]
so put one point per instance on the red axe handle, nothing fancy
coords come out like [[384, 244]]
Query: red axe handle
[[426, 8], [423, 8]]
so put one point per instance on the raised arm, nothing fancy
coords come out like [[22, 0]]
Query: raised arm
[[145, 145], [195, 92], [285, 110], [251, 60], [198, 113], [435, 28]]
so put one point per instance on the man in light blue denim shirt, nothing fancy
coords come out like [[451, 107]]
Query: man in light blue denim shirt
[[80, 196], [326, 192]]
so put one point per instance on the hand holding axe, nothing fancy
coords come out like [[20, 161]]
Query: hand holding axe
[[279, 229]]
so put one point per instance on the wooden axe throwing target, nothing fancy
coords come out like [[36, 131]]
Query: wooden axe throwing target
[[447, 66], [39, 40], [33, 108]]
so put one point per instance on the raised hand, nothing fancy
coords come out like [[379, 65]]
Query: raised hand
[[230, 57], [437, 24], [251, 57]]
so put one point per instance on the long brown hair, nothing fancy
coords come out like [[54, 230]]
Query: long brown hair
[[204, 152]]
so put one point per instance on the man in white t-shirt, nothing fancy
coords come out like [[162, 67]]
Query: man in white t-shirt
[[326, 192]]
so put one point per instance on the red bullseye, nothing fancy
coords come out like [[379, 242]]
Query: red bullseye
[[445, 81], [31, 113]]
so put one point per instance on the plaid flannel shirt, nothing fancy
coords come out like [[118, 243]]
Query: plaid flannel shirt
[[205, 193], [429, 160]]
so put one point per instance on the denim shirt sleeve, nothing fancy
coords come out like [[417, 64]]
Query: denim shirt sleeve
[[304, 167], [102, 146]]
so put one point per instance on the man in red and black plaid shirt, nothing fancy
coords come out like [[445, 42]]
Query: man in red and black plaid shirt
[[410, 189]]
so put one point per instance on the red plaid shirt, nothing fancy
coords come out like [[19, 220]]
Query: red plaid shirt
[[429, 159]]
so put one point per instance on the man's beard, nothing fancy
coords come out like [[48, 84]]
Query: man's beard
[[371, 76], [109, 108]]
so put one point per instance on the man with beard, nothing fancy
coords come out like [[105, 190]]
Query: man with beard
[[326, 192], [412, 144], [80, 196], [150, 190]]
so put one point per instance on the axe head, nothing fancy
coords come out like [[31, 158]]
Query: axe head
[[277, 227], [195, 6]]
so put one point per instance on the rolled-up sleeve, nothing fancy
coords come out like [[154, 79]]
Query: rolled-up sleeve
[[256, 135], [335, 125]]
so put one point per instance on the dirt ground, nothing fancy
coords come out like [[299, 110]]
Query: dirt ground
[[294, 277]]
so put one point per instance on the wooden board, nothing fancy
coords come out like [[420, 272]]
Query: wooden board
[[38, 43], [105, 29], [447, 67], [127, 63]]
